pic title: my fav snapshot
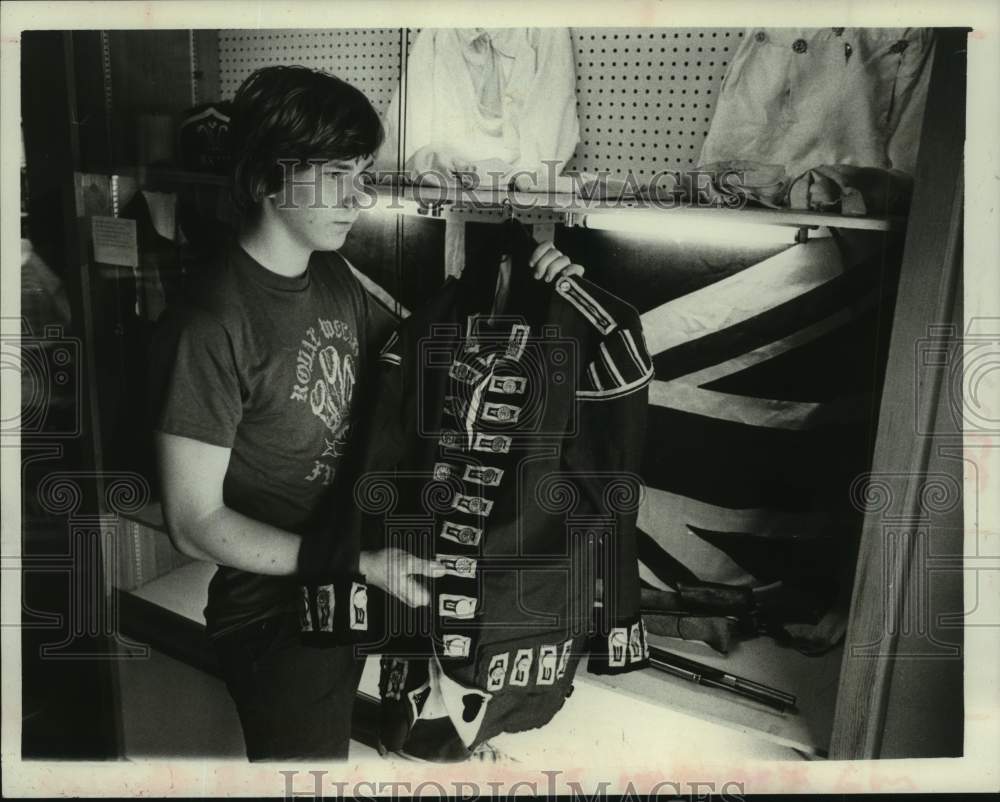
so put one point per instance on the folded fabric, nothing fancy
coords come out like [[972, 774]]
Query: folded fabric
[[839, 188], [733, 183], [854, 190], [718, 632], [701, 598]]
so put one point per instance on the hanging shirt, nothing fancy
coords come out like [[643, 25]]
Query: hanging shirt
[[802, 98], [476, 95]]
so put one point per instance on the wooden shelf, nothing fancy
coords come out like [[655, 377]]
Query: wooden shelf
[[458, 203], [167, 613], [572, 209], [812, 680]]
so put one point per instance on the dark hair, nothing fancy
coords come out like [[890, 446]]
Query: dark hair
[[294, 113]]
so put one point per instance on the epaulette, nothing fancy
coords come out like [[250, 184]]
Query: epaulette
[[387, 353], [586, 304], [621, 366]]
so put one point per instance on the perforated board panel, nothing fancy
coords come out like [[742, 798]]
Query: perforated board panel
[[368, 58], [645, 96]]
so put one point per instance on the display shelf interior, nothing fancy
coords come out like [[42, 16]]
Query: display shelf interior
[[458, 202], [150, 515], [812, 680], [184, 591]]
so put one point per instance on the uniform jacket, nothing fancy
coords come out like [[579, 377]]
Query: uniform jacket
[[508, 451]]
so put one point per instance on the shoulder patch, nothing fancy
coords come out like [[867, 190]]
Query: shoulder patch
[[586, 305], [620, 366]]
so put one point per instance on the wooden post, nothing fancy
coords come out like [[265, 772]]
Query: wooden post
[[892, 573]]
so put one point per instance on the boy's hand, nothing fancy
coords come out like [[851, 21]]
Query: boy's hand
[[549, 262], [394, 571]]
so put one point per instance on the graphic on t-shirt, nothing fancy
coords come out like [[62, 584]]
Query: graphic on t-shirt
[[324, 379]]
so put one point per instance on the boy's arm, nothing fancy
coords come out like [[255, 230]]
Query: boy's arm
[[202, 526]]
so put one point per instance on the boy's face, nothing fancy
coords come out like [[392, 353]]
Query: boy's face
[[319, 202]]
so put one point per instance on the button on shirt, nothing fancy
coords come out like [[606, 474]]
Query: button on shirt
[[802, 98]]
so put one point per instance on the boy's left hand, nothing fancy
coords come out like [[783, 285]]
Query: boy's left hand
[[548, 262]]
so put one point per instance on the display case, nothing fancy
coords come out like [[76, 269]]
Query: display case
[[645, 101]]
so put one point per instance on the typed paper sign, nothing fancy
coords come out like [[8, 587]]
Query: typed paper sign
[[115, 241]]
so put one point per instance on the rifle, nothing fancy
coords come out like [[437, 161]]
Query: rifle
[[706, 675]]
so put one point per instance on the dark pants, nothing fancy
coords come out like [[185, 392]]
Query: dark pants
[[294, 701]]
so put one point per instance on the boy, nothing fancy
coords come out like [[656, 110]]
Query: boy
[[253, 380]]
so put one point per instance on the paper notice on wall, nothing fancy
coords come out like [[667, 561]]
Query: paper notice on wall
[[115, 241]]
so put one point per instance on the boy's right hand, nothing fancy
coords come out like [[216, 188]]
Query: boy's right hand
[[395, 571]]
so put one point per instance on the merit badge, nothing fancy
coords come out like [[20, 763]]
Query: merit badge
[[564, 659], [457, 565], [497, 444], [359, 606], [325, 604], [305, 619], [490, 477], [500, 413], [508, 385], [518, 339], [442, 471], [394, 671], [617, 645], [457, 645], [497, 672], [635, 644], [546, 665], [466, 535], [460, 371], [454, 606], [522, 668], [473, 505]]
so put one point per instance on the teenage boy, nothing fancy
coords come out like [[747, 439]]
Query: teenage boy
[[253, 379]]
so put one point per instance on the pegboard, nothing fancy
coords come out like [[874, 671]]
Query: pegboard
[[368, 58], [645, 96]]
